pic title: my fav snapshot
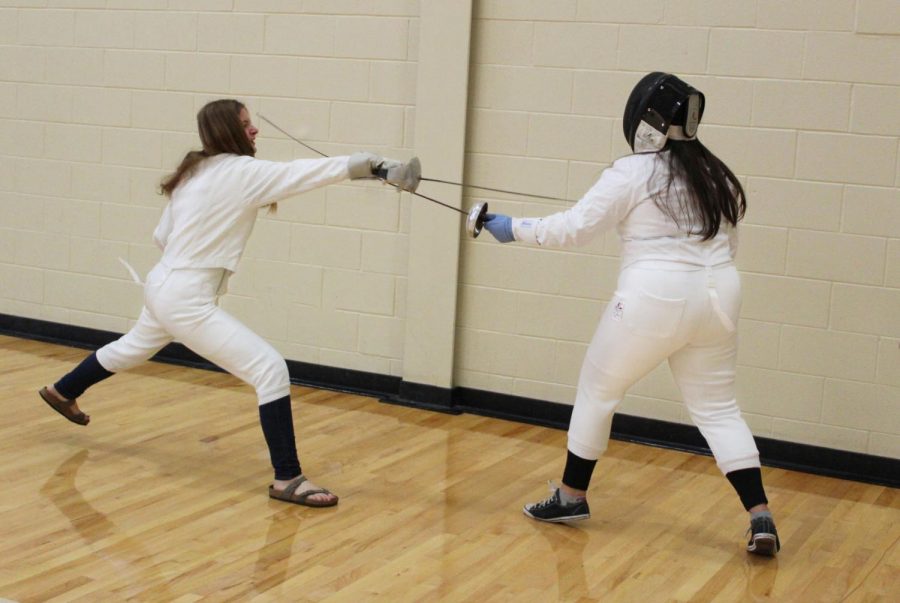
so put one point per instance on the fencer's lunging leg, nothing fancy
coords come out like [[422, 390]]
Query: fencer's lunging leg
[[231, 345], [185, 304]]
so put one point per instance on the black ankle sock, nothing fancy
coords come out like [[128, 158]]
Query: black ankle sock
[[81, 377], [578, 471], [749, 486], [277, 423]]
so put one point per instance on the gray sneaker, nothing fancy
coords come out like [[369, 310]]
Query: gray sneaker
[[553, 510], [763, 537]]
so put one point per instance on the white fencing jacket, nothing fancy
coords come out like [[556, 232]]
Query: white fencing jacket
[[622, 197], [211, 214]]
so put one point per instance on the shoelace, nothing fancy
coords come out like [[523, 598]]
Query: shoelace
[[545, 503], [552, 499]]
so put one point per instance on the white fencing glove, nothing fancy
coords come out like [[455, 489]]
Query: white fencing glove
[[405, 176]]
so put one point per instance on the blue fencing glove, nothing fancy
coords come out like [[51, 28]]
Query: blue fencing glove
[[500, 226]]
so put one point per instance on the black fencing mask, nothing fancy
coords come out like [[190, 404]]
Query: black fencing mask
[[661, 107]]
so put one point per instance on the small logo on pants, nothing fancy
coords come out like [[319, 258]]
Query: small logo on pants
[[618, 310]]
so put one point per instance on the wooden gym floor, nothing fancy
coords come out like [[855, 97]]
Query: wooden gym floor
[[163, 498]]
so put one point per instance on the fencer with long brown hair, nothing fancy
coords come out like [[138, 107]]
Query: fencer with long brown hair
[[214, 196], [676, 207]]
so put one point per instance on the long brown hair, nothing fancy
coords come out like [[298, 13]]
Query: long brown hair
[[713, 193], [221, 131]]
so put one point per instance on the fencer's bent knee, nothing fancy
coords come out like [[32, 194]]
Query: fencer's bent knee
[[108, 360], [590, 426], [726, 433], [272, 380], [590, 452]]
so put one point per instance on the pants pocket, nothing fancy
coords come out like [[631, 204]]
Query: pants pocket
[[154, 281], [654, 317]]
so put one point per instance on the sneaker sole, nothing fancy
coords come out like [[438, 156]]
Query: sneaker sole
[[763, 544], [558, 519]]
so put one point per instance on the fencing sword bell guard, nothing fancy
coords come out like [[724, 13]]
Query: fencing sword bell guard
[[475, 219], [410, 174]]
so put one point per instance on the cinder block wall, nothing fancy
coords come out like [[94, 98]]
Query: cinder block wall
[[803, 102], [97, 103]]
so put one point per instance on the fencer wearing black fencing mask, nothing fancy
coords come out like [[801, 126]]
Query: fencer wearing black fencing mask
[[677, 298], [661, 107]]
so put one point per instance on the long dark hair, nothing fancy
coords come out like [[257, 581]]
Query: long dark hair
[[221, 131], [711, 190]]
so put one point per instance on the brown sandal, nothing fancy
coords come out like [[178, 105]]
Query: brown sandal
[[64, 407], [290, 494]]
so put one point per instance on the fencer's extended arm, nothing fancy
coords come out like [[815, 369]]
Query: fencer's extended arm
[[405, 176], [601, 208]]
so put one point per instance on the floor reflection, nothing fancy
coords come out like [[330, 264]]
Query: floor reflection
[[568, 544], [124, 554], [60, 489], [274, 558], [760, 573]]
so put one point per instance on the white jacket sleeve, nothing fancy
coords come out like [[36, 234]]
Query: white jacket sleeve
[[601, 208], [164, 228], [264, 182]]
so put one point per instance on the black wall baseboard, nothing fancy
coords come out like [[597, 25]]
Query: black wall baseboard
[[429, 397], [774, 453]]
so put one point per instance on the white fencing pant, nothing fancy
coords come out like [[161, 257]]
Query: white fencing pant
[[181, 305], [664, 310]]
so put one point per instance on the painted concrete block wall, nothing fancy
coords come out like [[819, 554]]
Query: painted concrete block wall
[[98, 102], [803, 102]]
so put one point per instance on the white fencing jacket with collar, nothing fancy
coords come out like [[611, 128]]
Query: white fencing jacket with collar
[[622, 197], [211, 214]]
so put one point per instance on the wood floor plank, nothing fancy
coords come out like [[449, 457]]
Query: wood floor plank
[[163, 498]]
